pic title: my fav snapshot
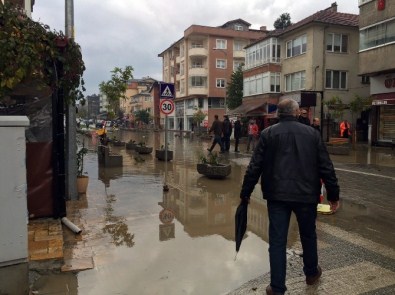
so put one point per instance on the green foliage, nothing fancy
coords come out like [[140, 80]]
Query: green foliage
[[30, 51], [283, 21], [336, 107], [115, 88], [360, 104], [234, 92], [198, 116], [211, 158], [80, 160], [143, 116]]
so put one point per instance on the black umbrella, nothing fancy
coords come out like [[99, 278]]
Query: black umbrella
[[240, 224]]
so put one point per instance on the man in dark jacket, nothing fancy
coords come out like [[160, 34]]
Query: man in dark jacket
[[227, 132], [217, 129], [291, 159], [237, 134], [303, 118]]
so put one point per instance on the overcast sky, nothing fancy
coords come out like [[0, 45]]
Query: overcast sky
[[118, 33]]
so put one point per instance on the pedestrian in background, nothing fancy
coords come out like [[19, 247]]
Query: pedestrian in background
[[316, 124], [283, 149], [253, 132], [303, 117], [217, 129], [237, 134], [345, 129], [227, 132]]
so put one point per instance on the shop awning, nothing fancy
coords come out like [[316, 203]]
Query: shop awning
[[254, 109], [250, 108]]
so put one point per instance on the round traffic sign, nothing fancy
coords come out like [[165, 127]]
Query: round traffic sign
[[166, 216], [166, 106]]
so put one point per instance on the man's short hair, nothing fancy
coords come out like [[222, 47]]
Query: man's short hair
[[287, 107]]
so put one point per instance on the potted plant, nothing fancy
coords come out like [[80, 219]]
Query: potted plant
[[131, 145], [161, 154], [212, 168], [141, 148], [82, 179], [117, 142]]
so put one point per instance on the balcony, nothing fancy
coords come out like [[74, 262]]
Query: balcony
[[198, 71], [198, 51], [198, 91], [239, 54]]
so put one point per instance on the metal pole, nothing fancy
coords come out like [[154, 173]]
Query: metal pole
[[71, 145], [165, 186]]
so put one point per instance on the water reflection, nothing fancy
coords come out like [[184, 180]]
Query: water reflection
[[116, 226]]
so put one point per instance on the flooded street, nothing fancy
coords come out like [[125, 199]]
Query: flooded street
[[142, 240]]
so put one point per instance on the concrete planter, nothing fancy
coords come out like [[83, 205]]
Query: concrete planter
[[161, 155], [218, 171], [131, 145], [143, 149]]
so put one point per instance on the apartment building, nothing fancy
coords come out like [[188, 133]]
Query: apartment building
[[311, 61], [377, 66], [200, 65]]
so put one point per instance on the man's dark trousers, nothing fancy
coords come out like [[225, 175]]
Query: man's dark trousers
[[279, 218]]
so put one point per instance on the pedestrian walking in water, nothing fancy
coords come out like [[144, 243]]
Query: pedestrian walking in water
[[291, 159], [217, 129], [237, 134], [253, 133], [227, 132]]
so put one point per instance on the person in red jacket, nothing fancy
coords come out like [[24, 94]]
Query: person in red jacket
[[253, 132], [345, 129]]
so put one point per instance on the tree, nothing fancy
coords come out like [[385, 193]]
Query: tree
[[115, 88], [31, 53], [234, 92], [283, 21], [143, 116], [198, 117], [336, 107]]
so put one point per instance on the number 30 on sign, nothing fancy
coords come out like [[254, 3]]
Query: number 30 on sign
[[166, 106]]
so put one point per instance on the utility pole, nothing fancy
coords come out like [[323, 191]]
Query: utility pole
[[70, 140]]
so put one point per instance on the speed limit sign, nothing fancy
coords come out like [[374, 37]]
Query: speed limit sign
[[166, 106]]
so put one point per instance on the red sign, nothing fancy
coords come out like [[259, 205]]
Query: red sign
[[380, 4], [166, 106], [166, 216]]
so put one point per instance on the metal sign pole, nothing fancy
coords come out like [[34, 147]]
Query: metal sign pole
[[165, 187]]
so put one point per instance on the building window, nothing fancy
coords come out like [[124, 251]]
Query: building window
[[196, 44], [237, 64], [220, 44], [190, 104], [200, 102], [198, 81], [197, 63], [182, 86], [336, 79], [221, 64], [239, 28], [337, 42], [182, 68], [295, 81], [376, 35], [274, 82], [215, 102], [220, 83], [238, 45], [365, 80], [296, 46]]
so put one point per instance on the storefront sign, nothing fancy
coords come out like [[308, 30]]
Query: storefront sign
[[380, 102]]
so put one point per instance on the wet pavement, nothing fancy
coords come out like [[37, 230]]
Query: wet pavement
[[138, 239]]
